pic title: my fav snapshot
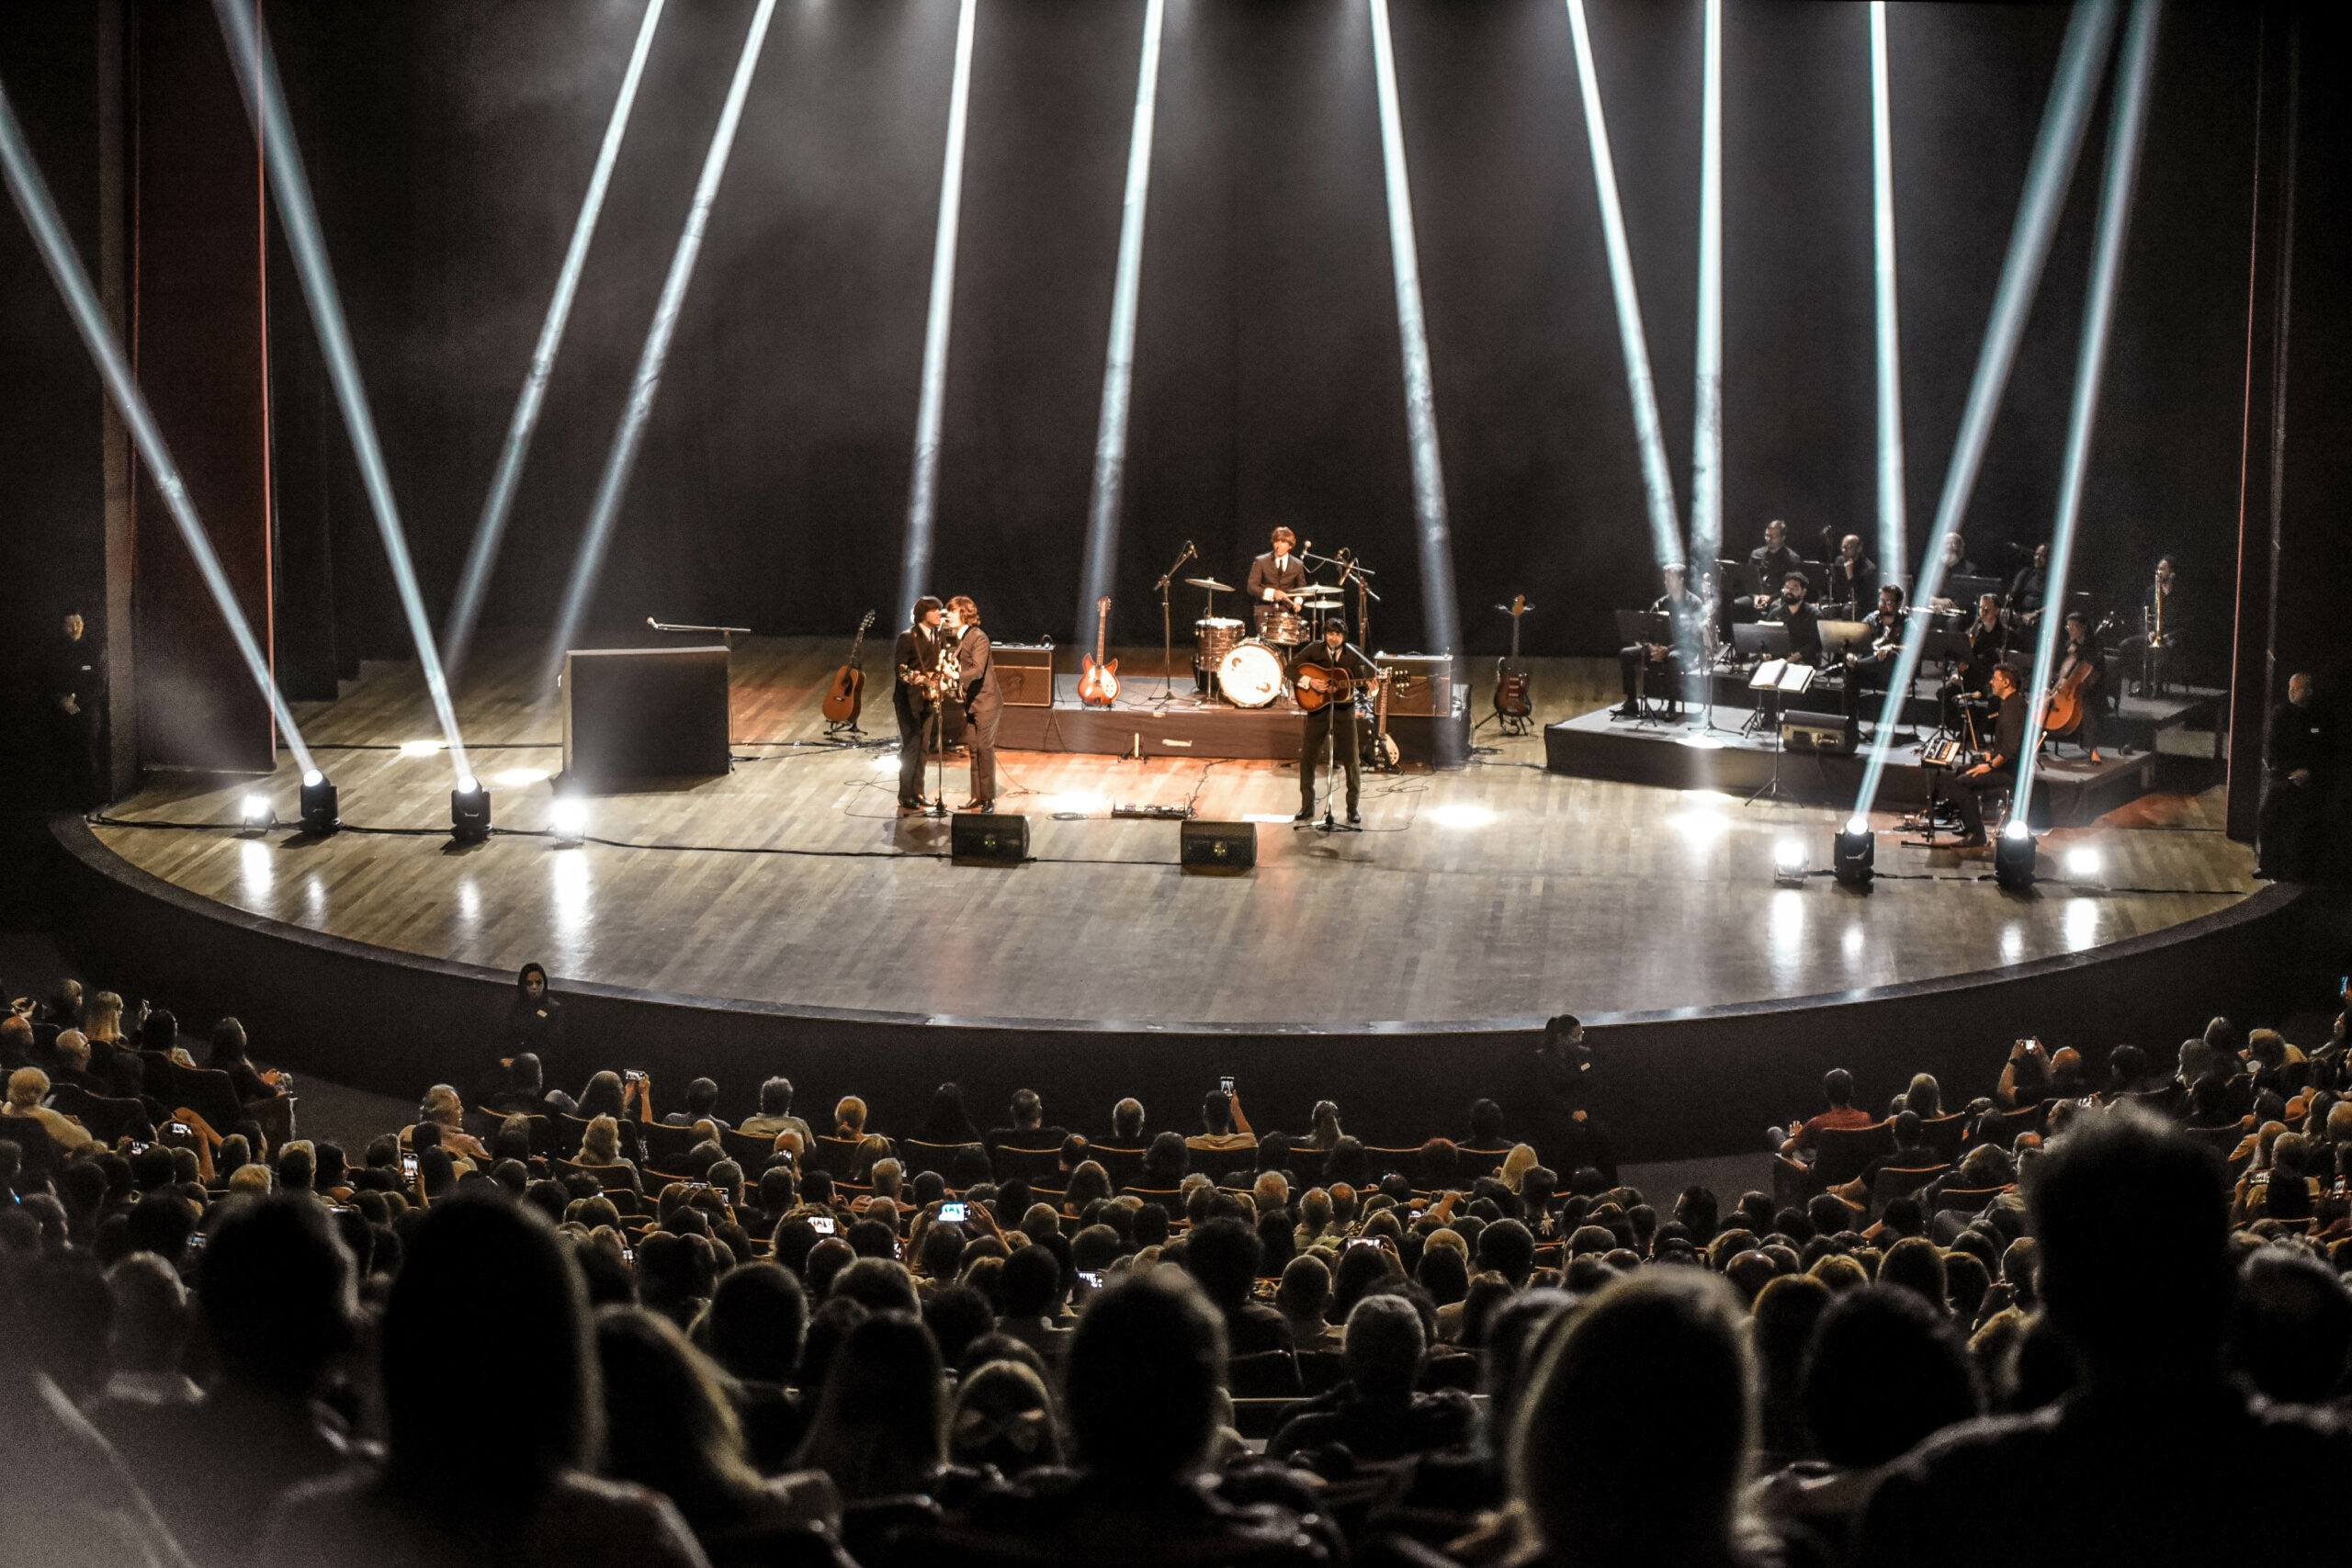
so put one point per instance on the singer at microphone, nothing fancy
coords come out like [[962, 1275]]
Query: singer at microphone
[[1275, 580]]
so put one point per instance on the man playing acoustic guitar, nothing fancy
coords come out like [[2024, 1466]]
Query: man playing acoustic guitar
[[1325, 668]]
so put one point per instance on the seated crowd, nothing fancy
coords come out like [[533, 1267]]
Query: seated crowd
[[2068, 1323]]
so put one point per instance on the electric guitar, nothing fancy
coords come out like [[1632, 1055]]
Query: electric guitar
[[846, 695], [1514, 696], [1098, 685], [1386, 756]]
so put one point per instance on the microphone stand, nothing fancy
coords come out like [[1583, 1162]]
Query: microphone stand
[[1168, 627], [722, 631]]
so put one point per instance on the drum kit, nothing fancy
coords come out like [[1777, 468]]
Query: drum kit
[[1248, 670]]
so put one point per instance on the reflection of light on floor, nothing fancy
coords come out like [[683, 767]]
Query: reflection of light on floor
[[1853, 942], [252, 866], [2082, 924], [1784, 936], [314, 901], [574, 910], [1085, 805], [1462, 814], [420, 748], [1266, 816], [1706, 797], [1700, 827], [2012, 942], [1700, 743], [516, 778], [469, 901]]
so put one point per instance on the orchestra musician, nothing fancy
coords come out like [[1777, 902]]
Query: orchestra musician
[[1791, 610], [1666, 660], [1276, 578], [1772, 560], [2159, 631], [2030, 587], [1955, 564], [1987, 641], [912, 659], [1853, 578], [1334, 721], [976, 688], [1998, 770], [1867, 672], [2081, 647]]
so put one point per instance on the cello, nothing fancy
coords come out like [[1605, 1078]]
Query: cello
[[2075, 688]]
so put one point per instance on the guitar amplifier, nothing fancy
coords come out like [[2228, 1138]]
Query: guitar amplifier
[[1024, 673], [1425, 686], [1832, 734], [984, 838], [1211, 847]]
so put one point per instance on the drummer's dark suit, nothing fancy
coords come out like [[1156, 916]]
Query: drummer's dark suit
[[1268, 575]]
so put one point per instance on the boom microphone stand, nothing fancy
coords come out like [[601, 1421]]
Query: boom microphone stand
[[1168, 627]]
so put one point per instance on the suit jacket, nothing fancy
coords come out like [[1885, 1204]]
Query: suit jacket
[[1854, 583], [1805, 629], [915, 652], [1289, 576], [980, 690], [1349, 658]]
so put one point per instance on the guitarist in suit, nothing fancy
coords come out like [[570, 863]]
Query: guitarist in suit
[[1277, 578], [912, 659], [977, 690], [1332, 650]]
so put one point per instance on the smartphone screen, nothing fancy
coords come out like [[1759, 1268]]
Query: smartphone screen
[[1226, 1083], [821, 1223], [1092, 1277], [954, 1214], [408, 1164]]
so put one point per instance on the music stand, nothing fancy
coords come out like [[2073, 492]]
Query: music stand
[[1762, 642], [1646, 626], [1788, 679]]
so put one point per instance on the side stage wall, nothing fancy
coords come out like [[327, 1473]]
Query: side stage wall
[[1676, 1085]]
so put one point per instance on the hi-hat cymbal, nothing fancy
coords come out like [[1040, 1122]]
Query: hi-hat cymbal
[[1319, 605], [1210, 583]]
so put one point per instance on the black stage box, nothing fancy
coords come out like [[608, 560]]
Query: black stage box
[[644, 712], [1024, 672], [984, 838], [1214, 847], [1831, 732], [1429, 683]]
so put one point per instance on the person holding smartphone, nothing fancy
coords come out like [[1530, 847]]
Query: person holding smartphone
[[1224, 1128]]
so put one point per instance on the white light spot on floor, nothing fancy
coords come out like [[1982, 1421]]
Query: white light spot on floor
[[2012, 942], [2082, 924], [1462, 814]]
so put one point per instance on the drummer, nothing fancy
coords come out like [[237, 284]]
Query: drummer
[[1276, 580]]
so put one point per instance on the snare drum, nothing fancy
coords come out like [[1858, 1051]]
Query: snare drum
[[1284, 628], [1212, 639], [1250, 674]]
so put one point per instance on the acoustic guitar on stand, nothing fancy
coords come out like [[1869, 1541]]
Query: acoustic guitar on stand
[[845, 697], [1098, 685]]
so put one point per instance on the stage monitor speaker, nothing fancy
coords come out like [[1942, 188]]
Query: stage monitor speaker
[[1831, 734], [1426, 684], [984, 838], [1211, 847], [1024, 673], [645, 713]]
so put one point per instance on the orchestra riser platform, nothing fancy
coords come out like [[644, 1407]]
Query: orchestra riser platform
[[2134, 724], [1668, 754]]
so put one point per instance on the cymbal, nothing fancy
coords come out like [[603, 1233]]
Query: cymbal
[[1210, 583], [1320, 605]]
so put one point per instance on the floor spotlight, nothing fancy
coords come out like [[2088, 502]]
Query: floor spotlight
[[469, 811], [256, 815], [568, 819], [2013, 856], [1791, 864], [1856, 848], [319, 817]]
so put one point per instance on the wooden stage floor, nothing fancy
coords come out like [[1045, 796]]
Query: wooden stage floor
[[1495, 892]]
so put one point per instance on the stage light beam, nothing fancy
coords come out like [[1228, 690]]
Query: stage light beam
[[482, 556], [1095, 578], [2126, 133], [2073, 92], [33, 201], [620, 459], [923, 492], [1657, 484], [256, 69], [1441, 617], [1707, 407], [1894, 531]]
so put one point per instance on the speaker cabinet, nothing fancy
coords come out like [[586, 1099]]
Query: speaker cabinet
[[1832, 734], [1424, 685], [645, 713], [984, 838], [1217, 848], [1024, 673]]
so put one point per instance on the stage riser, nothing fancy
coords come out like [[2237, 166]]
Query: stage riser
[[1648, 757], [1678, 1085], [1211, 734], [2135, 724]]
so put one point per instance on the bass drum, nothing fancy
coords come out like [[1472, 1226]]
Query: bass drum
[[1251, 675]]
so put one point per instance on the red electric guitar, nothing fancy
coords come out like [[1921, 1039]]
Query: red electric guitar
[[1098, 685]]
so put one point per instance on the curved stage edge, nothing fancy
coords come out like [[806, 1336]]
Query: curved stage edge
[[1675, 1085]]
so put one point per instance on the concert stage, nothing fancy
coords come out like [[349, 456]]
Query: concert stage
[[784, 918]]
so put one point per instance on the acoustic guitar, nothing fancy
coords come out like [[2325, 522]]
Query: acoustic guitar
[[1514, 696], [845, 697], [1098, 685], [1318, 684]]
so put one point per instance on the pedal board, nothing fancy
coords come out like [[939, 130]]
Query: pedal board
[[1165, 813]]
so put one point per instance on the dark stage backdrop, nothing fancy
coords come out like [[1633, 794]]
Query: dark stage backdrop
[[450, 142]]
